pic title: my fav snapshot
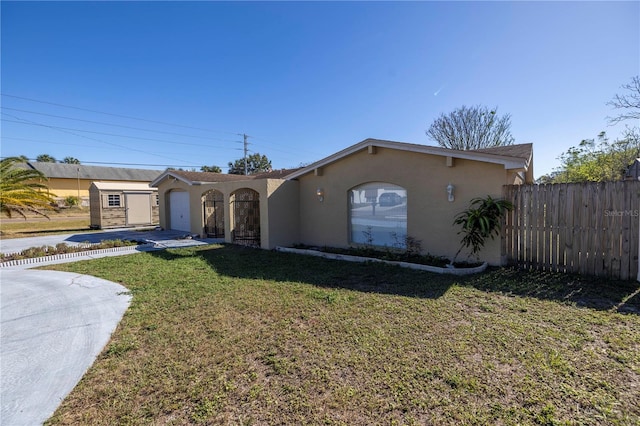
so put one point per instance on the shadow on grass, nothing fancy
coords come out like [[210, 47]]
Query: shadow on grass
[[248, 263], [131, 234], [585, 291]]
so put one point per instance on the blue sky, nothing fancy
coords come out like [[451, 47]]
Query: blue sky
[[302, 79]]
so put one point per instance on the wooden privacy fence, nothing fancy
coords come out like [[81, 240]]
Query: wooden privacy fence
[[588, 228]]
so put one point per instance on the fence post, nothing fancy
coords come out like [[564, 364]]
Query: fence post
[[638, 247]]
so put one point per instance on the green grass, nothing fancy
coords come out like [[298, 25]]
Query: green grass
[[230, 335]]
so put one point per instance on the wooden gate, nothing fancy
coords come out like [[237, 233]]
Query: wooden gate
[[588, 228], [213, 211], [246, 216]]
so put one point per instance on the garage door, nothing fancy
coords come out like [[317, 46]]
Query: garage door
[[138, 209], [179, 211]]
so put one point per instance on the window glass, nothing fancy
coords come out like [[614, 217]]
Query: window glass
[[114, 200], [378, 214]]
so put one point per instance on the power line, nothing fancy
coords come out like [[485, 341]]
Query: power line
[[117, 115], [291, 151], [63, 143], [48, 142], [127, 164], [87, 137], [116, 125], [288, 151], [33, 123]]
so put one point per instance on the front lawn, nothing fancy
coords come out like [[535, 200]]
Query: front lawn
[[231, 335]]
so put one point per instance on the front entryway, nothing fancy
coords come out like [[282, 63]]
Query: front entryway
[[246, 217], [213, 211]]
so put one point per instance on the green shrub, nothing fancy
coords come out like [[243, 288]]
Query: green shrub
[[72, 201]]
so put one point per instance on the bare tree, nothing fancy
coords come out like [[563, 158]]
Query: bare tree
[[468, 128], [628, 102]]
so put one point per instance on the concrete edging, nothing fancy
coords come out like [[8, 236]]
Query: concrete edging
[[44, 259], [417, 266]]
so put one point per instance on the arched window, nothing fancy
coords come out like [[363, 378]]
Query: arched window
[[378, 214]]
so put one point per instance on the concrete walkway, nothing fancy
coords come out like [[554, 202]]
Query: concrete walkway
[[54, 325]]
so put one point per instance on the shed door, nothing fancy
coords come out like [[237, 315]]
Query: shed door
[[179, 211], [138, 209]]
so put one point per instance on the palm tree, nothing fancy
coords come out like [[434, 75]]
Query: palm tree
[[45, 158], [71, 160], [22, 190]]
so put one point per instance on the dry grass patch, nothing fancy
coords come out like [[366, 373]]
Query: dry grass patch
[[34, 228], [228, 335]]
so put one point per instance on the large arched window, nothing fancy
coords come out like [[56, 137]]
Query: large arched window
[[378, 214]]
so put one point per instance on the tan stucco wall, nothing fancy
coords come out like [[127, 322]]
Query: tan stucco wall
[[278, 207], [284, 216], [68, 187], [425, 177]]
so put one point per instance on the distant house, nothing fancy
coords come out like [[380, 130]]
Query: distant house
[[75, 179], [375, 192], [633, 172]]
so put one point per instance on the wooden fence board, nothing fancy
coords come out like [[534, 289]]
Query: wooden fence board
[[599, 252], [547, 232], [584, 229], [551, 223], [590, 228]]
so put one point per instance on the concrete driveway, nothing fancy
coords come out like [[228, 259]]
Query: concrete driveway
[[54, 325], [166, 238]]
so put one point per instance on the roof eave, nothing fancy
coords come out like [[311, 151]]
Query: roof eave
[[169, 174], [506, 161]]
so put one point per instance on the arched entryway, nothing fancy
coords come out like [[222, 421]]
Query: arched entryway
[[246, 217], [213, 213]]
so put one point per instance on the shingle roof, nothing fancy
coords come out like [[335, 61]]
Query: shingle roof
[[123, 186], [519, 151], [276, 174], [190, 177], [75, 171], [208, 176]]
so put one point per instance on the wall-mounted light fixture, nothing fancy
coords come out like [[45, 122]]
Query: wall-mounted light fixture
[[320, 194], [450, 189]]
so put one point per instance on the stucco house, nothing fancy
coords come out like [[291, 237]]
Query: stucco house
[[75, 179], [374, 192]]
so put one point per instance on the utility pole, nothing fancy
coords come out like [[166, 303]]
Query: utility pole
[[78, 176], [245, 154]]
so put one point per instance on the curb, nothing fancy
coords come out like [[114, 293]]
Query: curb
[[417, 266]]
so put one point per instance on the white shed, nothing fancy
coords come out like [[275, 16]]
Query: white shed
[[117, 204]]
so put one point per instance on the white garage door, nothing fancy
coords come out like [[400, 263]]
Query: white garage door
[[179, 211]]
